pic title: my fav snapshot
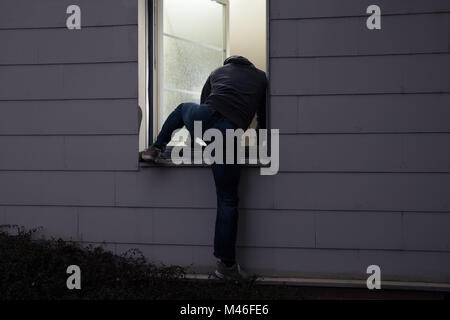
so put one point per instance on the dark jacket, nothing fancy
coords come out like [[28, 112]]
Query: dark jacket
[[237, 91]]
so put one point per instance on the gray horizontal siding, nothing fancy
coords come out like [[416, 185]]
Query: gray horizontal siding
[[41, 46], [361, 75], [376, 230], [75, 90], [413, 113], [125, 225], [426, 231], [257, 229], [2, 215], [296, 9], [427, 33], [305, 191], [51, 221], [78, 81], [101, 153], [349, 99], [365, 152], [296, 223], [189, 226], [32, 153], [363, 191], [69, 152], [174, 189], [265, 228], [52, 13], [69, 117], [398, 265], [57, 188], [127, 189]]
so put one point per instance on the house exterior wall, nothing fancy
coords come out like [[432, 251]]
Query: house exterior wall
[[364, 120]]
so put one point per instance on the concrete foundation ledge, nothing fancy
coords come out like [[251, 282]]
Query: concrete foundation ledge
[[341, 283]]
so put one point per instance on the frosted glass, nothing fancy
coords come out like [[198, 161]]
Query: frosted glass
[[193, 46], [196, 20], [187, 66]]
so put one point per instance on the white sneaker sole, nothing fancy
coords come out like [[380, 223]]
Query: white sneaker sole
[[224, 277]]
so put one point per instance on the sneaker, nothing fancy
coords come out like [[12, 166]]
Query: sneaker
[[151, 154], [231, 273]]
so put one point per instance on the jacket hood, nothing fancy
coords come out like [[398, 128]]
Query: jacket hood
[[238, 60]]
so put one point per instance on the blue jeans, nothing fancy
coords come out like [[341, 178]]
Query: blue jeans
[[226, 176]]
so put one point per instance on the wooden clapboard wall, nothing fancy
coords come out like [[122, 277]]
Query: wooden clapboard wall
[[364, 118]]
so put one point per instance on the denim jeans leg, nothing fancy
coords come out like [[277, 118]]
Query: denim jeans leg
[[226, 177], [184, 115], [173, 122]]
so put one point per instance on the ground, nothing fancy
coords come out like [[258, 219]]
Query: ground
[[32, 268]]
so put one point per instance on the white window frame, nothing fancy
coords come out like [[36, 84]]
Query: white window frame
[[149, 103], [143, 72]]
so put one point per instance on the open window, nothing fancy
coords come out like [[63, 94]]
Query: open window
[[182, 41]]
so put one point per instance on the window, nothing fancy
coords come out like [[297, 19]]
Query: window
[[182, 41]]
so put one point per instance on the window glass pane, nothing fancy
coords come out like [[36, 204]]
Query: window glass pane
[[197, 20], [187, 65], [193, 46], [172, 99]]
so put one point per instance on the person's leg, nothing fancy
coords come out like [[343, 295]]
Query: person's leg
[[173, 122], [226, 177], [184, 115]]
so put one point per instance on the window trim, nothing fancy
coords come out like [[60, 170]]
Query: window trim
[[153, 66]]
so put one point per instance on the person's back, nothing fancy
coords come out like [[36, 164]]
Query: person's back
[[237, 91]]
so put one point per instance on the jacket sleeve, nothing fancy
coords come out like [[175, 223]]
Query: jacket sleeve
[[206, 90]]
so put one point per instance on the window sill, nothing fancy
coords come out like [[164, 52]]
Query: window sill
[[165, 162]]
